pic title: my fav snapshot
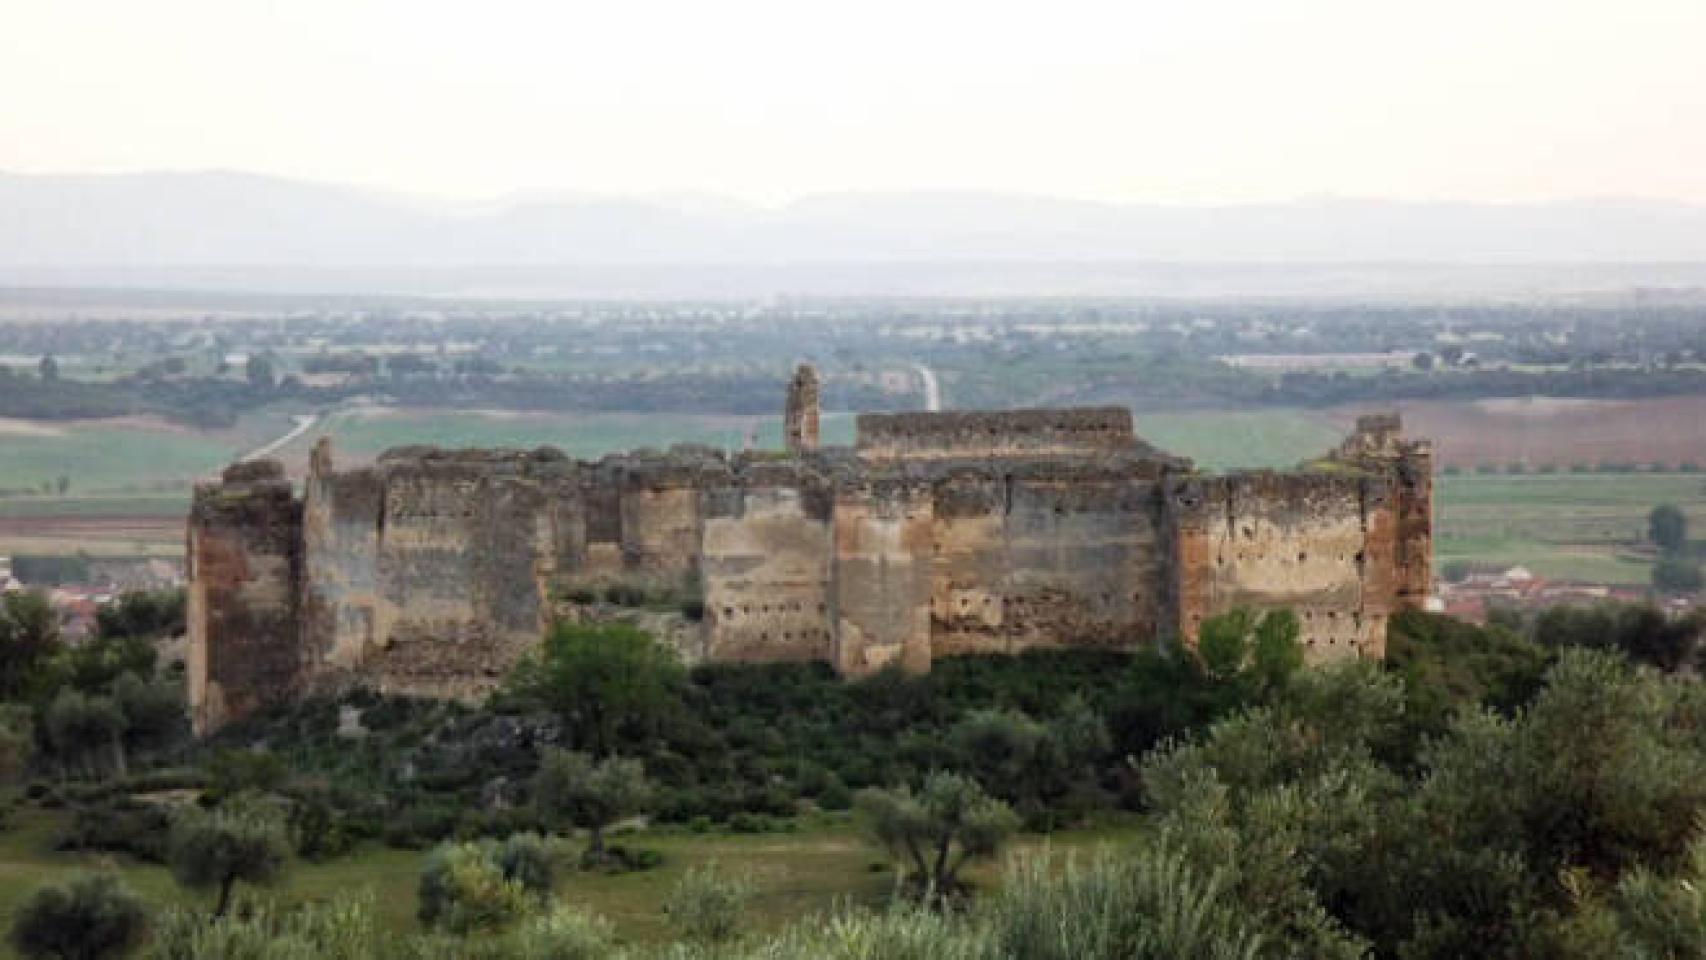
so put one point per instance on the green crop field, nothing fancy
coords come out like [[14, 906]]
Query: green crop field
[[1240, 439], [794, 874], [133, 455], [1569, 526]]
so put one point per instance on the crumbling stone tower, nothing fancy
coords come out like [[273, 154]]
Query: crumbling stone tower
[[799, 421]]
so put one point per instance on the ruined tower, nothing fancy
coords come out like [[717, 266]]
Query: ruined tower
[[799, 422]]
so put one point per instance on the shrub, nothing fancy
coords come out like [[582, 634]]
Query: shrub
[[343, 930], [90, 917], [236, 771], [528, 859], [562, 934], [708, 905], [1149, 905], [421, 826], [123, 826], [463, 889]]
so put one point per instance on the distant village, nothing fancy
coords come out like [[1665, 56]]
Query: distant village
[[1484, 592], [76, 603]]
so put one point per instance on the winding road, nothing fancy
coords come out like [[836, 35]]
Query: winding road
[[932, 389], [304, 423]]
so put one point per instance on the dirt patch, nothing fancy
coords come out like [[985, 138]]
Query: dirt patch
[[28, 428]]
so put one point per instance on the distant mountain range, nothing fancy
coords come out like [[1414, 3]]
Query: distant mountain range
[[68, 228]]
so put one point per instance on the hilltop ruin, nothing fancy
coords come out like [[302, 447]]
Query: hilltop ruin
[[430, 572]]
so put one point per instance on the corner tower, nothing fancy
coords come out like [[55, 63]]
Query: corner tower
[[799, 421]]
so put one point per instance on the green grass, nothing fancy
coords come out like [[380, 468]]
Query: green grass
[[96, 505], [794, 875], [1240, 439], [126, 457], [1564, 526]]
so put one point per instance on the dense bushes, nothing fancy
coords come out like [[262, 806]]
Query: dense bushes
[[1313, 805], [90, 917]]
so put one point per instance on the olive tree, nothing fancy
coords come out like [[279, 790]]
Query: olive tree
[[214, 850], [81, 728], [936, 831], [570, 788]]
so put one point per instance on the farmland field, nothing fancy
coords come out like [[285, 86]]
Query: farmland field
[[1537, 431], [127, 455], [1565, 526]]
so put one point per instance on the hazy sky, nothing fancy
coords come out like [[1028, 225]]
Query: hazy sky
[[1177, 101]]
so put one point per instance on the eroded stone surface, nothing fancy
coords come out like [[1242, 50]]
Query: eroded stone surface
[[431, 572]]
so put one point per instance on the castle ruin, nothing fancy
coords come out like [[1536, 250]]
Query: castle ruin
[[430, 572]]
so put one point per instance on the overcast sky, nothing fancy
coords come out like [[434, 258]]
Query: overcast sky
[[1495, 100]]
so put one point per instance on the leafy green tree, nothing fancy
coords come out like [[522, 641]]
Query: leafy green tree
[[603, 681], [1674, 574], [17, 742], [1002, 750], [241, 771], [216, 850], [94, 665], [154, 715], [82, 728], [147, 614], [89, 917], [259, 371], [572, 788], [935, 832], [29, 641], [1667, 528]]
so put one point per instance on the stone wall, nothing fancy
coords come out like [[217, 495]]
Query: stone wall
[[244, 560], [1318, 543], [1087, 431], [430, 572], [767, 569]]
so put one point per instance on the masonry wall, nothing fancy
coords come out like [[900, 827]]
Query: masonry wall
[[1045, 556], [1318, 543], [1079, 432], [883, 577], [243, 557], [768, 572], [430, 573]]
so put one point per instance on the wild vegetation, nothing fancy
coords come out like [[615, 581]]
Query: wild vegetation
[[1521, 792]]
